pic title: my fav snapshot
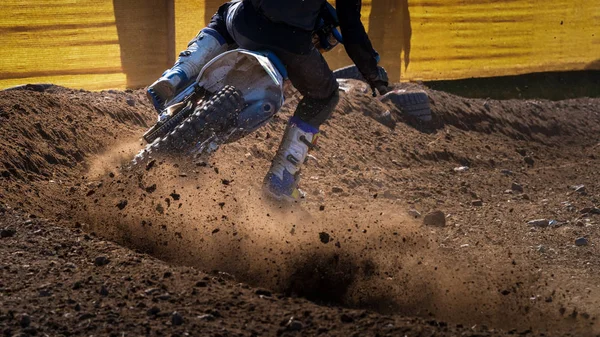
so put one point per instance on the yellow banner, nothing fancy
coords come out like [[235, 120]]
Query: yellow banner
[[100, 44]]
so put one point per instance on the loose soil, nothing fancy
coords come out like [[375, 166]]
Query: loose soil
[[181, 246]]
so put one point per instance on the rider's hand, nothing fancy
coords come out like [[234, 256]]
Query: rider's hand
[[378, 81]]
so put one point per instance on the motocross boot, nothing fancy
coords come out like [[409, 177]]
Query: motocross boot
[[203, 48], [281, 182]]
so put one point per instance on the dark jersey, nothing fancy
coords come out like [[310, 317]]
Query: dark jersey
[[287, 24], [296, 13]]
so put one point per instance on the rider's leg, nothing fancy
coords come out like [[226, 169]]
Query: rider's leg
[[311, 75], [210, 42]]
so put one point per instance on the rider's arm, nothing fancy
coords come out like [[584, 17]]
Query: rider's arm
[[356, 41]]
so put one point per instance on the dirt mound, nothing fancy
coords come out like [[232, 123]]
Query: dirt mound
[[354, 241]]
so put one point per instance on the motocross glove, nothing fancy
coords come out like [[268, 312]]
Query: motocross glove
[[366, 62], [378, 81]]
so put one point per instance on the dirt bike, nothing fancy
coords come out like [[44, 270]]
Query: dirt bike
[[235, 93]]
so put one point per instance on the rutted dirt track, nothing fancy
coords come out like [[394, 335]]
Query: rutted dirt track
[[355, 242]]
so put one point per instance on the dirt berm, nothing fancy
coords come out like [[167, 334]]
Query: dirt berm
[[184, 246]]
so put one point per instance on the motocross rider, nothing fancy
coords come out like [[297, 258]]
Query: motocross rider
[[283, 27]]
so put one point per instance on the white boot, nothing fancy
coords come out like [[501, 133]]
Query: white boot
[[203, 48], [282, 179]]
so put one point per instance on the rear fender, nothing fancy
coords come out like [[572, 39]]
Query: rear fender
[[252, 73]]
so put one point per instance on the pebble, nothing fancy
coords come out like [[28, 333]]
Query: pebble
[[206, 317], [461, 169], [538, 222], [294, 325], [7, 233], [263, 292], [435, 218], [151, 189], [150, 164], [414, 213], [529, 161], [176, 318], [324, 237], [100, 261], [103, 291], [477, 202], [122, 204], [579, 188], [131, 101], [581, 242], [507, 172], [153, 311], [517, 187], [336, 189]]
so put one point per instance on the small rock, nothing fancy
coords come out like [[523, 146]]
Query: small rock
[[324, 237], [25, 320], [435, 218], [525, 197], [150, 164], [294, 325], [100, 261], [517, 187], [322, 208], [176, 318], [103, 291], [541, 248], [477, 202], [206, 317], [529, 161], [201, 284], [538, 222], [414, 213], [216, 230], [151, 291], [263, 292], [461, 169], [508, 192], [45, 293], [122, 204], [131, 101], [581, 242], [175, 196], [507, 172], [225, 182], [151, 189], [153, 311], [580, 189], [336, 189], [7, 233]]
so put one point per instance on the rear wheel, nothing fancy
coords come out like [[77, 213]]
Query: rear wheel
[[413, 104], [213, 117]]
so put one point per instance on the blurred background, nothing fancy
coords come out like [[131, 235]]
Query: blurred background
[[102, 44]]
